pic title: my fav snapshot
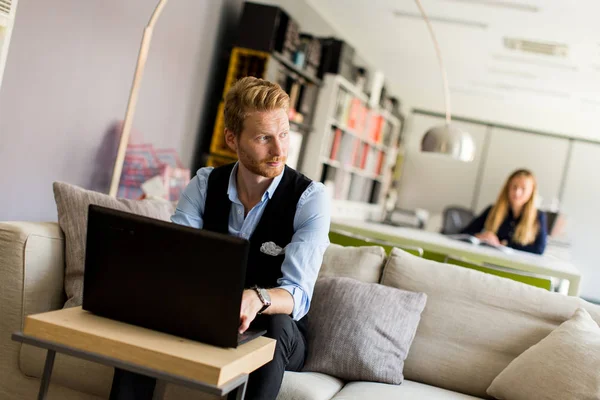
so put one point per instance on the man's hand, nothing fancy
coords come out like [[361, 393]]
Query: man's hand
[[489, 237], [251, 305]]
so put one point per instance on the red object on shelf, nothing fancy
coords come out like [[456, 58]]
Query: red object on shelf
[[354, 114], [336, 144], [354, 155], [376, 122], [380, 162], [365, 153]]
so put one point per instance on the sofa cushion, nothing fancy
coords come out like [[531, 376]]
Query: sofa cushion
[[474, 324], [363, 263], [308, 386], [409, 390], [564, 365], [361, 331], [72, 205]]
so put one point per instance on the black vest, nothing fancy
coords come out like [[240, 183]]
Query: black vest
[[276, 224]]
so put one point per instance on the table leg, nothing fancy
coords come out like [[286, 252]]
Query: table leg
[[239, 392], [46, 376], [159, 390], [574, 283]]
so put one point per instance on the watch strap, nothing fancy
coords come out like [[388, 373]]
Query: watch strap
[[262, 300]]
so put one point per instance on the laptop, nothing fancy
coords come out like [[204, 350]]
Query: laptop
[[167, 277]]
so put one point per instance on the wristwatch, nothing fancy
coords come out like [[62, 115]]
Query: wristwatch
[[264, 297]]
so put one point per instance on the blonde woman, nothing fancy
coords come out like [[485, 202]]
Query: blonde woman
[[514, 220]]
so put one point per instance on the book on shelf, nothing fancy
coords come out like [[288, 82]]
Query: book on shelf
[[388, 131], [364, 154], [354, 114], [380, 158], [371, 163], [350, 111], [357, 116], [374, 127], [355, 151], [337, 138], [346, 149]]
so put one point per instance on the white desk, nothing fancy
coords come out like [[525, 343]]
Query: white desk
[[519, 260]]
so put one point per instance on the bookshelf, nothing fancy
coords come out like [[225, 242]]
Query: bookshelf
[[353, 149]]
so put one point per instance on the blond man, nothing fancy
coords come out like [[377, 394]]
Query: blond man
[[260, 199]]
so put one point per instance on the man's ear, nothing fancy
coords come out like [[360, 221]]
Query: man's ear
[[231, 140]]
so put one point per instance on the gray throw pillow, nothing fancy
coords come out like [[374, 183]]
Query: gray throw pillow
[[361, 331], [72, 204]]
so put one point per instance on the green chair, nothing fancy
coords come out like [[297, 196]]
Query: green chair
[[345, 238], [520, 276]]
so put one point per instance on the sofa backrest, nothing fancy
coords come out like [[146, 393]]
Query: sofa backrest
[[474, 324], [363, 263], [33, 265]]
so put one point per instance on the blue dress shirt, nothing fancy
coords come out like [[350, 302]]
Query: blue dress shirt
[[304, 254]]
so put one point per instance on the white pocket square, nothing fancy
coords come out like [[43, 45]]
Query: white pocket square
[[271, 249]]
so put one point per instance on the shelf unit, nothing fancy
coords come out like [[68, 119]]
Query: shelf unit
[[8, 8], [353, 149]]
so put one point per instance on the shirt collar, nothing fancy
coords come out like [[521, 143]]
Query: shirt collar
[[232, 188]]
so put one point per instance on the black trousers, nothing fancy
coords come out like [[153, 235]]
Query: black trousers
[[263, 384]]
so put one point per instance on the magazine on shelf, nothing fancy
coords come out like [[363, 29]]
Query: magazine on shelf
[[463, 237]]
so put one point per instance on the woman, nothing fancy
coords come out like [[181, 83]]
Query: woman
[[513, 221]]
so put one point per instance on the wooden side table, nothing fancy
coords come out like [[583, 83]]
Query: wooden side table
[[165, 357]]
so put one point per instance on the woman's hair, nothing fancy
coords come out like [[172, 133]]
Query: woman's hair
[[528, 226], [252, 94]]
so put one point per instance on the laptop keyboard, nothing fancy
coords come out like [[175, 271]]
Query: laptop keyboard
[[242, 337]]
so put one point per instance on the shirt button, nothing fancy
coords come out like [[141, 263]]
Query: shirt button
[[239, 212]]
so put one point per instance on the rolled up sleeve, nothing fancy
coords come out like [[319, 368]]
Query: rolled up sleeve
[[304, 254]]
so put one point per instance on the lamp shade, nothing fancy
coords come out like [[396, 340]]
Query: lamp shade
[[449, 140]]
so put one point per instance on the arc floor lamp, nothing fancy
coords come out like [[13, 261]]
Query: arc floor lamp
[[133, 97], [446, 139]]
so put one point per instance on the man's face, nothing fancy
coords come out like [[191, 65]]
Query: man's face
[[262, 146]]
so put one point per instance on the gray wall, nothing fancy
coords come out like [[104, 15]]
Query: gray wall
[[67, 81]]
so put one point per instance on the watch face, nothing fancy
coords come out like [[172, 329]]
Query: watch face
[[265, 295]]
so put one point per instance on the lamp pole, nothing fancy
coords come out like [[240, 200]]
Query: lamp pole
[[439, 57], [133, 97]]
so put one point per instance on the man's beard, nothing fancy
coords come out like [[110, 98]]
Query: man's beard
[[261, 167]]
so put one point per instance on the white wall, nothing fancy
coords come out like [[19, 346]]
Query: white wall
[[581, 202], [67, 80], [431, 181], [509, 150], [565, 170]]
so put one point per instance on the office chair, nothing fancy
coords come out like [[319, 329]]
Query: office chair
[[455, 218]]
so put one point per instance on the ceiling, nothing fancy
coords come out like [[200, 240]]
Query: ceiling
[[528, 63]]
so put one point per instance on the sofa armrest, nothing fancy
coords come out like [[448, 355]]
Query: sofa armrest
[[31, 276]]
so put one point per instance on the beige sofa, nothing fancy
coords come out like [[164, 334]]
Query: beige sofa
[[473, 325]]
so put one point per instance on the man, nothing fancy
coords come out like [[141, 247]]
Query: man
[[285, 216]]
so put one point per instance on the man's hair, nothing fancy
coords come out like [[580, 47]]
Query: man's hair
[[252, 94]]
